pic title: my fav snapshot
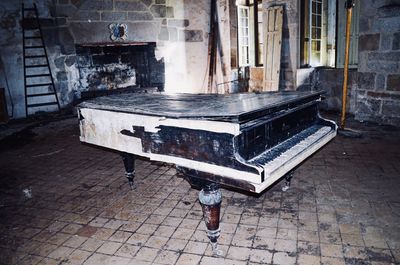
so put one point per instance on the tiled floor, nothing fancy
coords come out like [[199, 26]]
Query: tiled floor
[[62, 202]]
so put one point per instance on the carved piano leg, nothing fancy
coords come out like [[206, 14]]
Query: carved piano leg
[[288, 179], [210, 198], [129, 163]]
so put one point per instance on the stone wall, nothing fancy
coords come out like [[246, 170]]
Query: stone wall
[[329, 80], [178, 27], [378, 92]]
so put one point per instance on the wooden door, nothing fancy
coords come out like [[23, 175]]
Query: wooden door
[[273, 17]]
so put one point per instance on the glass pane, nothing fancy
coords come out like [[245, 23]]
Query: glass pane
[[319, 8]]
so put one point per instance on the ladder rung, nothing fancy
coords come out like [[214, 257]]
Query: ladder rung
[[35, 85], [36, 65], [40, 95], [41, 104], [33, 37], [34, 47], [35, 56], [37, 75]]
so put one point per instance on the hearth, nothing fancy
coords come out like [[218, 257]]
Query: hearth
[[115, 67]]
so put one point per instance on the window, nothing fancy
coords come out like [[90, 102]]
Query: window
[[260, 40], [341, 38], [243, 31], [320, 45], [250, 32]]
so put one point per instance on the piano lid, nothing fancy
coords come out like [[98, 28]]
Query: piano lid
[[222, 107]]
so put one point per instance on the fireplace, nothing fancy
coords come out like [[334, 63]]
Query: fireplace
[[106, 68]]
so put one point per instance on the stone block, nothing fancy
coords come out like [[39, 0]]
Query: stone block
[[86, 15], [179, 23], [137, 31], [386, 42], [384, 56], [170, 12], [383, 95], [367, 107], [157, 75], [383, 66], [62, 76], [380, 82], [396, 41], [59, 62], [139, 16], [366, 81], [62, 88], [96, 5], [331, 76], [391, 108], [61, 21], [387, 24], [191, 35], [337, 91], [66, 40], [173, 34], [393, 82], [159, 10], [368, 42], [77, 3], [113, 16], [63, 11], [147, 2], [50, 36], [364, 24], [70, 60], [47, 22], [164, 34], [130, 6], [389, 11]]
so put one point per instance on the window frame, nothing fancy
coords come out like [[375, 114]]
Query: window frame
[[305, 54], [254, 44], [240, 37]]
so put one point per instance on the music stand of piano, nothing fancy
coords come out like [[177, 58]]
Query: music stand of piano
[[246, 141]]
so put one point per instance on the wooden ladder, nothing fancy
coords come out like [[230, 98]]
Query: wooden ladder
[[40, 92]]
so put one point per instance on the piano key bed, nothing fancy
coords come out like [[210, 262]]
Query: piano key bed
[[245, 141]]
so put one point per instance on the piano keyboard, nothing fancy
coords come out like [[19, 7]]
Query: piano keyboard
[[293, 148]]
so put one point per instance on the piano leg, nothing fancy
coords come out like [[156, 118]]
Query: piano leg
[[288, 179], [129, 163], [210, 198]]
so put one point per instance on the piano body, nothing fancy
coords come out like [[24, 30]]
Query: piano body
[[246, 141]]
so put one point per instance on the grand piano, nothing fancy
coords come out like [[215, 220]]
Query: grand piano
[[245, 141]]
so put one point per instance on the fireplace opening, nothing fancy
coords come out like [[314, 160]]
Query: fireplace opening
[[108, 68]]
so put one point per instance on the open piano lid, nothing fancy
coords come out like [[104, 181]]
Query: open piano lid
[[219, 107]]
